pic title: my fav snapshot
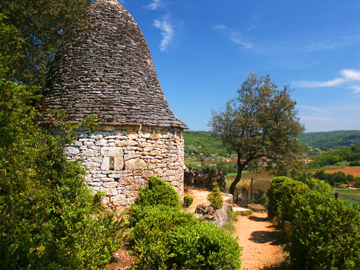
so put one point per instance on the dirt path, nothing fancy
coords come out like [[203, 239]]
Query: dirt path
[[256, 235]]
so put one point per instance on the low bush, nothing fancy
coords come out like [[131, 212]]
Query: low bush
[[216, 198], [274, 195], [289, 189], [163, 237], [325, 234], [158, 192], [188, 200], [150, 234], [355, 163], [203, 246], [260, 198]]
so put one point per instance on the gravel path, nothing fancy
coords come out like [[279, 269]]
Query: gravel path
[[255, 234]]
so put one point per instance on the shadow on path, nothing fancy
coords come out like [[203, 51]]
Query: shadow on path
[[262, 237], [259, 219]]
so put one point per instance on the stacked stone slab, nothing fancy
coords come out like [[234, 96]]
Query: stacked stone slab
[[107, 70]]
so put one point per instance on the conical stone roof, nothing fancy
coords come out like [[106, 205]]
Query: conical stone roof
[[107, 70]]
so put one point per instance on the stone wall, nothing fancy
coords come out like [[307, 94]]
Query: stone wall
[[205, 178], [120, 159]]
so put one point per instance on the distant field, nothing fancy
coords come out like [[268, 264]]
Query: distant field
[[355, 171]]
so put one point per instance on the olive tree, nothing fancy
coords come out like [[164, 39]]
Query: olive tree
[[260, 123]]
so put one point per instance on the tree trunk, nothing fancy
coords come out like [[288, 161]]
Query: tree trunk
[[237, 179]]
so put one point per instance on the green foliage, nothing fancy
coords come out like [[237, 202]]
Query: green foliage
[[48, 219], [274, 195], [335, 178], [260, 122], [289, 189], [280, 195], [355, 163], [216, 198], [203, 246], [325, 235], [259, 197], [165, 237], [188, 200], [232, 216], [151, 234], [209, 145], [331, 139], [246, 213], [333, 157], [318, 185], [43, 25], [158, 192]]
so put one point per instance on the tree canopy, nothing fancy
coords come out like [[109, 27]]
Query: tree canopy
[[259, 124], [42, 25]]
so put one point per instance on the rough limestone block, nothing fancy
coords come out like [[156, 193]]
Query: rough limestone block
[[147, 174], [120, 143], [135, 164], [105, 164], [89, 153], [112, 152], [133, 136], [69, 151], [118, 163]]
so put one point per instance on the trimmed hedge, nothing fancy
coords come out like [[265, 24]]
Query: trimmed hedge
[[203, 246], [151, 235], [275, 194], [326, 233], [163, 237], [188, 200], [289, 189], [158, 192]]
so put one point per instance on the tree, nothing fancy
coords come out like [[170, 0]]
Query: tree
[[43, 25], [259, 123]]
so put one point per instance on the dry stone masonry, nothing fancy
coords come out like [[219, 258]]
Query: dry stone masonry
[[107, 70]]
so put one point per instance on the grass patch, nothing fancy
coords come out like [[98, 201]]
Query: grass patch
[[246, 213], [232, 217]]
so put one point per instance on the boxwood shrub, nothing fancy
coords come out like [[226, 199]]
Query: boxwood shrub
[[157, 192], [289, 189], [325, 234], [165, 238], [188, 200], [150, 235], [203, 246], [275, 194]]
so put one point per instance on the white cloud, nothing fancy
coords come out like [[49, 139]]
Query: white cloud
[[155, 5], [350, 78], [234, 35], [356, 88], [312, 108], [251, 28], [167, 31]]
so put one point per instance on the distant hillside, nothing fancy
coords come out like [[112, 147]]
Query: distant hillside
[[331, 139], [201, 141]]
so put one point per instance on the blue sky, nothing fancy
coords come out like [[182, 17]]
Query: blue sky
[[203, 50]]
